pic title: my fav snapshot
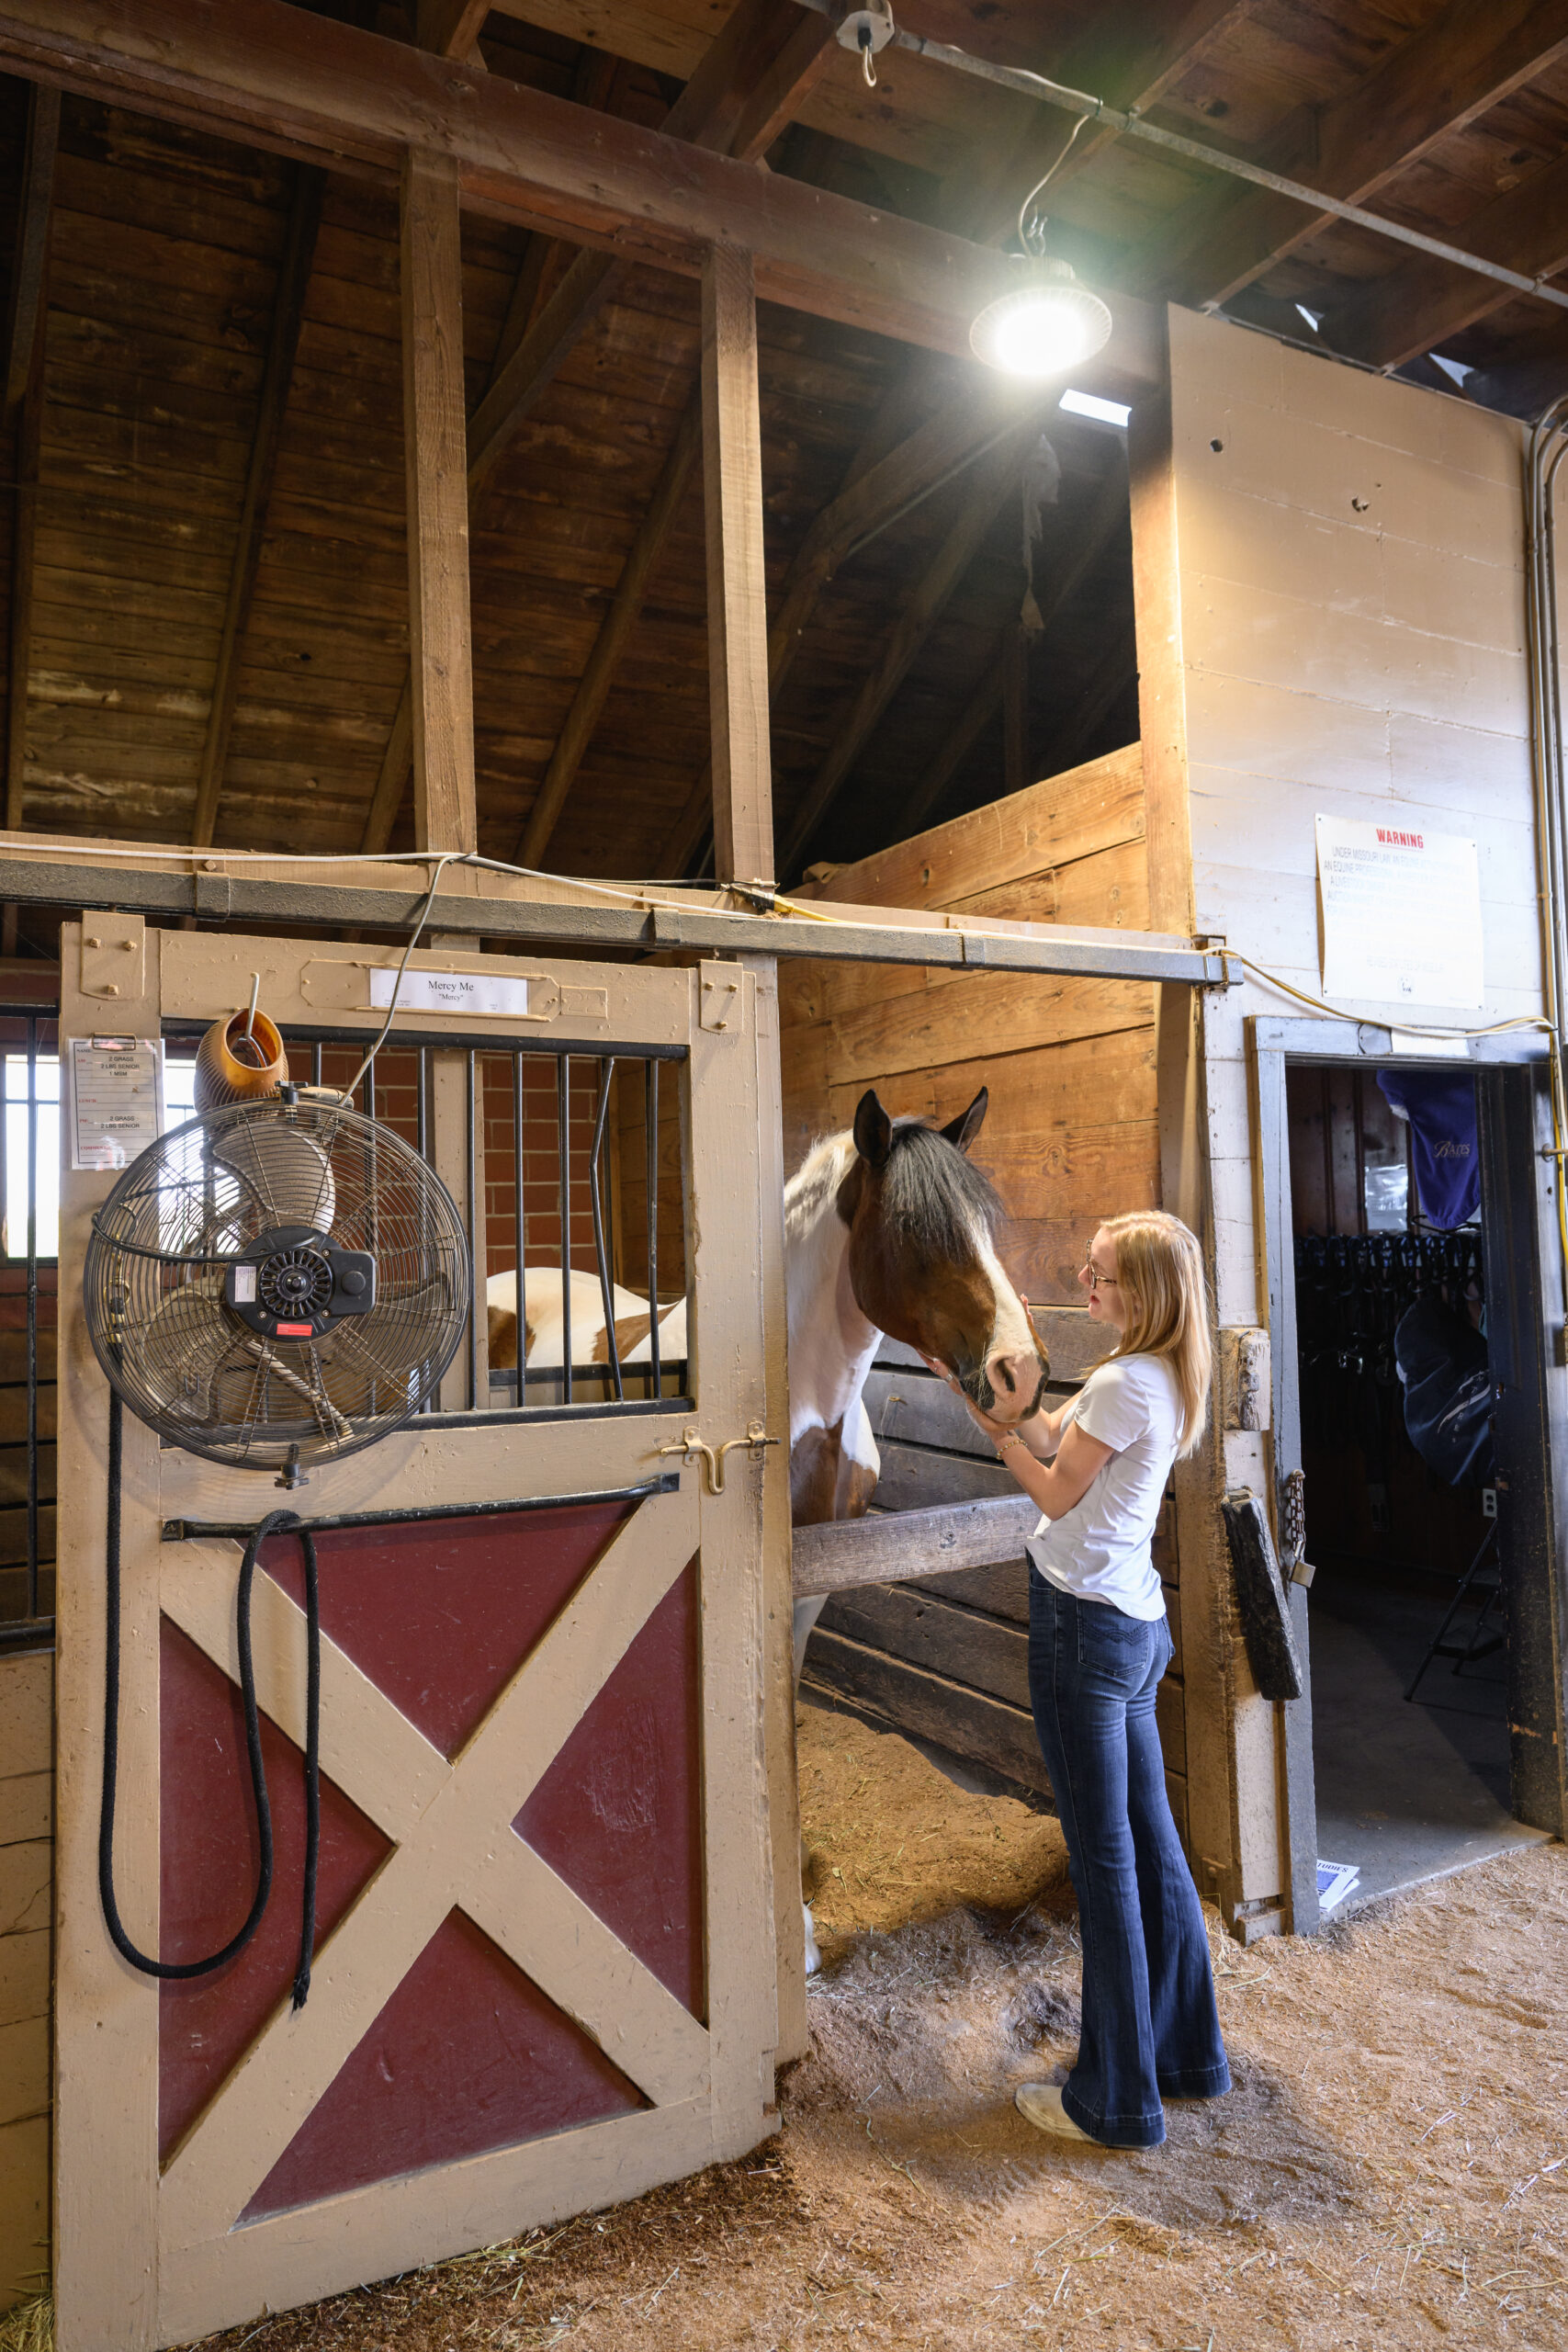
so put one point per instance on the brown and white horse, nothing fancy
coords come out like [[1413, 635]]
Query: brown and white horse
[[889, 1229]]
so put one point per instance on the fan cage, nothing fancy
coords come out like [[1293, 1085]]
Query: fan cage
[[209, 1192]]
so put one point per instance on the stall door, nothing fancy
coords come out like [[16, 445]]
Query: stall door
[[545, 1977]]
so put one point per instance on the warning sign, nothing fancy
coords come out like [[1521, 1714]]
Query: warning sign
[[1401, 914]]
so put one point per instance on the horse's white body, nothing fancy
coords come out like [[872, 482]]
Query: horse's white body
[[542, 1301]]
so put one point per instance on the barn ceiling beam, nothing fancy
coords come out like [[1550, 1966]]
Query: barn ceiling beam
[[1415, 309], [923, 609], [66, 873], [330, 94], [768, 56], [1107, 513], [451, 28], [1446, 76], [1132, 56], [627, 603], [283, 343], [24, 402], [769, 51]]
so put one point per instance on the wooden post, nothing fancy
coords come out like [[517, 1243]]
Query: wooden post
[[435, 453], [1162, 685], [737, 614]]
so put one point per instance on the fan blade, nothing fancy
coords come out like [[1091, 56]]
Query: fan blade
[[287, 1174]]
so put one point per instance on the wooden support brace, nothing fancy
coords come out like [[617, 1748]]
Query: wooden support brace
[[434, 442], [738, 620]]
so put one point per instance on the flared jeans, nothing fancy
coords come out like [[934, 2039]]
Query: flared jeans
[[1150, 2027]]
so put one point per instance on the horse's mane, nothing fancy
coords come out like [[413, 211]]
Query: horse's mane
[[935, 1195]]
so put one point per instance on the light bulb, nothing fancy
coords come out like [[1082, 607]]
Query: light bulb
[[1049, 325]]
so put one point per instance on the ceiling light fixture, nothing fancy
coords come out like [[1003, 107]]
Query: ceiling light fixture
[[1048, 324]]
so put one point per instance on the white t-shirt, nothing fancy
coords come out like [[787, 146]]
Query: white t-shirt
[[1099, 1549]]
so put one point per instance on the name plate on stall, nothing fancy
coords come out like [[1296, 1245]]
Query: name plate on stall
[[481, 992]]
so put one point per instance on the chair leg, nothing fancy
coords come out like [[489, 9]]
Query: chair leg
[[1435, 1647]]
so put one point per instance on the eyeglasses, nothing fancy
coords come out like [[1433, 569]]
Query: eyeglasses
[[1097, 1280]]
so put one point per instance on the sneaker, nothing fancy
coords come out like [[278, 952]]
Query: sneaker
[[1041, 2104]]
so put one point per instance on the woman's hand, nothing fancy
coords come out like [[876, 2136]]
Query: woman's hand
[[1041, 1433]]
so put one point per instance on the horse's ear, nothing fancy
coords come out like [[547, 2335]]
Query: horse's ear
[[874, 1129], [962, 1131]]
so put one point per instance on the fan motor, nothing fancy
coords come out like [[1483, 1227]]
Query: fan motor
[[294, 1285]]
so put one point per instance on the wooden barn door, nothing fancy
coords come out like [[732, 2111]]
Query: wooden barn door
[[545, 1977]]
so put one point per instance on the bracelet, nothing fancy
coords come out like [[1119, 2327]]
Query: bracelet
[[1006, 1441]]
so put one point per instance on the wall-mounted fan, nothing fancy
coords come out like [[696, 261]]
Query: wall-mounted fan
[[277, 1283]]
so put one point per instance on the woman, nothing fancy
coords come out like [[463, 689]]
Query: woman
[[1097, 1645]]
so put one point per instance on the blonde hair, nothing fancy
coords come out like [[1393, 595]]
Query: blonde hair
[[1160, 1269]]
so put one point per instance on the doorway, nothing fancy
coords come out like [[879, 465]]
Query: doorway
[[1407, 1231]]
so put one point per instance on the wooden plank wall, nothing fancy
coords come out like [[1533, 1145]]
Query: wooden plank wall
[[1071, 1136], [27, 1829], [947, 1659]]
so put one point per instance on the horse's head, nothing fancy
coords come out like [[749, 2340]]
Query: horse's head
[[923, 1264]]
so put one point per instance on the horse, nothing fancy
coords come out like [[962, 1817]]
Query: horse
[[889, 1230]]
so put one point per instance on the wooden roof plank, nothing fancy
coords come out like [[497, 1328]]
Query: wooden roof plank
[[1446, 76], [1417, 308]]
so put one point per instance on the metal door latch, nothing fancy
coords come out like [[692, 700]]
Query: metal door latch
[[1292, 1530], [691, 1443]]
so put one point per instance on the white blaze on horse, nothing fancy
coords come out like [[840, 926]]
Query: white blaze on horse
[[890, 1229]]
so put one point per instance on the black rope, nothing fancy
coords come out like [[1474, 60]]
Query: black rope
[[275, 1523]]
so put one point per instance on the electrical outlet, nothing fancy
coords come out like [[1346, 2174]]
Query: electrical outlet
[[1488, 1502]]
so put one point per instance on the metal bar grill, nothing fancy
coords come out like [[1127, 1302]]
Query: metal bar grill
[[26, 1563], [510, 1089]]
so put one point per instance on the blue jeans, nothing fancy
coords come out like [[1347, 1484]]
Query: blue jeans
[[1149, 2021]]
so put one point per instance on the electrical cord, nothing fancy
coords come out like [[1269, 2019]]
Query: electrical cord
[[442, 861], [276, 1522]]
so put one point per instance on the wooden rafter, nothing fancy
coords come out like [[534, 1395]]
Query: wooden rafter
[[24, 400], [1447, 76], [923, 609], [1107, 513], [331, 94], [768, 56], [451, 28], [881, 481], [615, 629], [29, 261], [1419, 306], [1128, 57], [283, 343], [757, 70]]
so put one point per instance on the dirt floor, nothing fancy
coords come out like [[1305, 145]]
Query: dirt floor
[[1392, 2167]]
